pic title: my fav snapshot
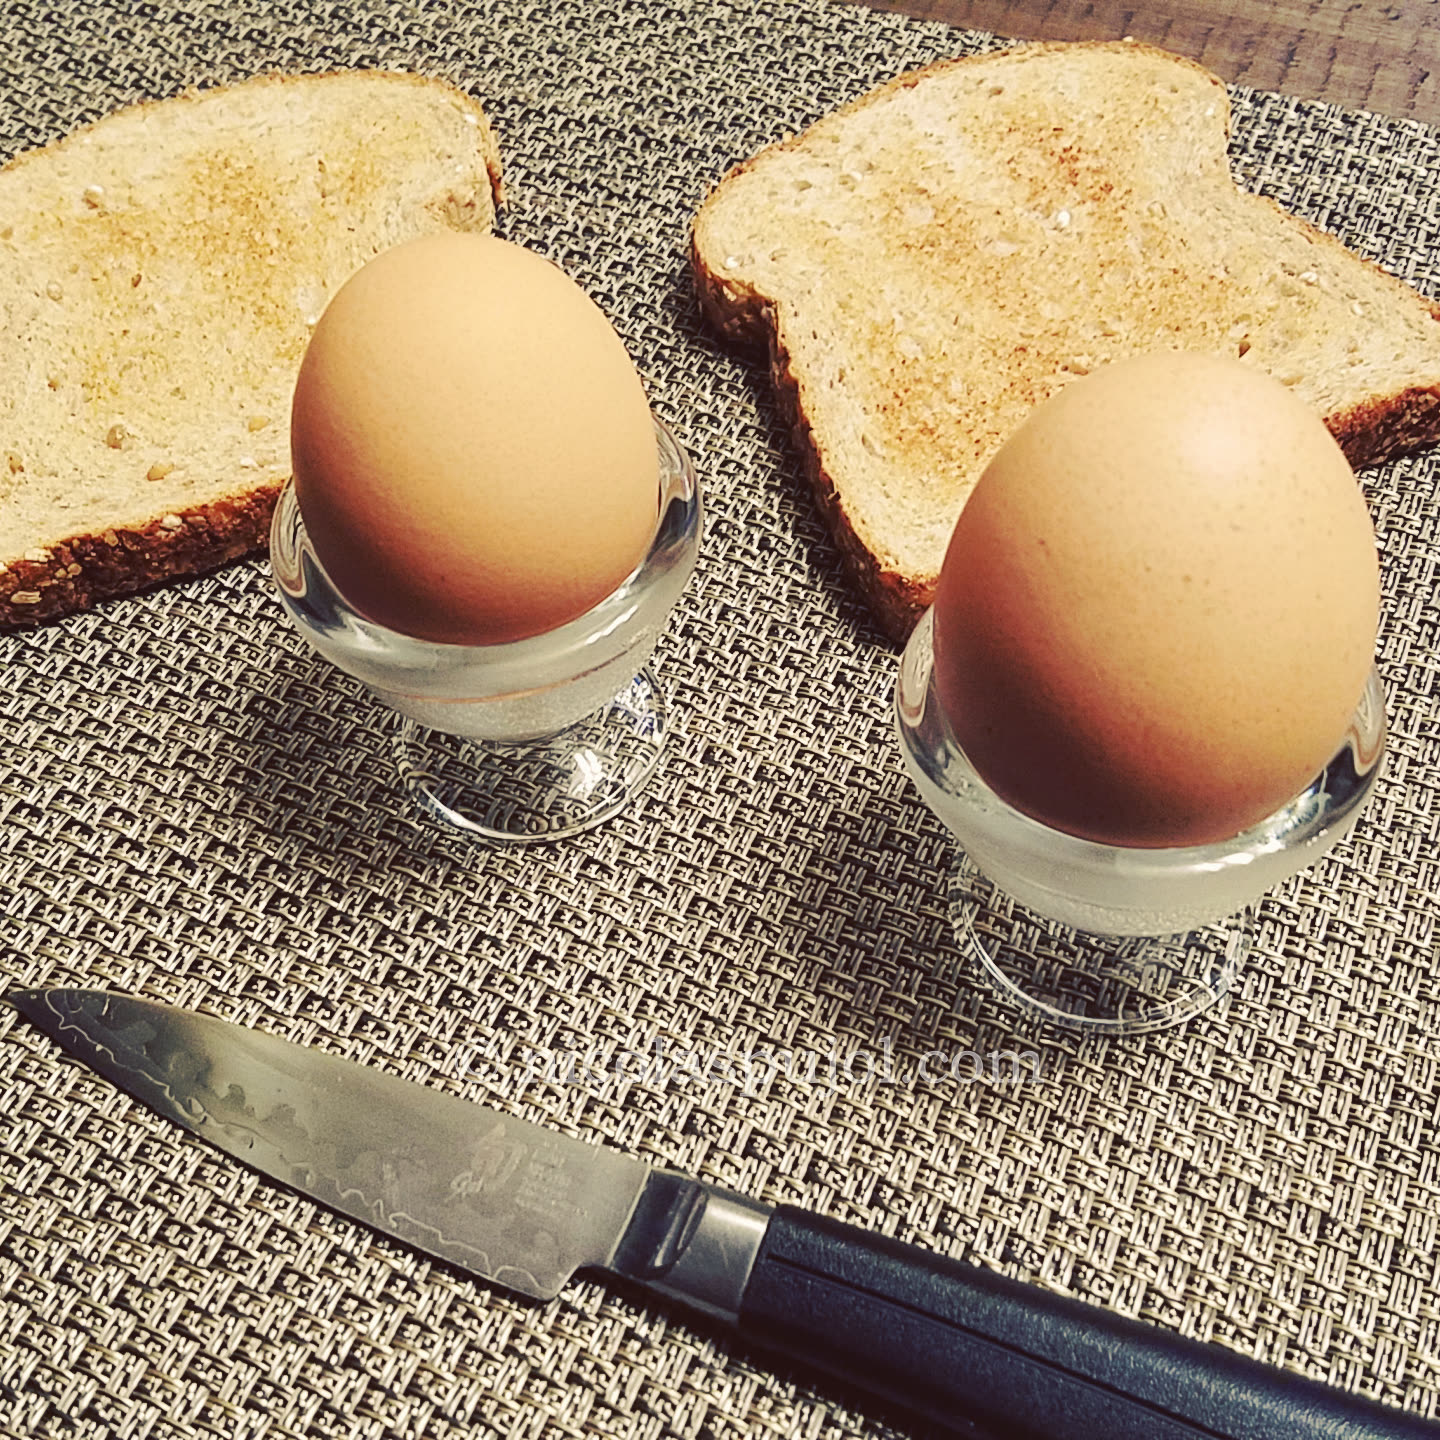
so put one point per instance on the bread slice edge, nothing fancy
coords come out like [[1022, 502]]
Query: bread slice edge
[[149, 546], [1371, 429]]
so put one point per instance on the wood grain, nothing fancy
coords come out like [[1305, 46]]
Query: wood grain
[[1364, 54]]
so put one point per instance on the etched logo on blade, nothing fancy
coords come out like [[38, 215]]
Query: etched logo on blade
[[493, 1164], [524, 1177]]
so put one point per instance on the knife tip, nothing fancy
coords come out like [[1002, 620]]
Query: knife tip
[[27, 1002]]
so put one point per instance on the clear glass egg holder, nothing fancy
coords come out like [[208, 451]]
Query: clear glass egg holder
[[527, 741], [1104, 938]]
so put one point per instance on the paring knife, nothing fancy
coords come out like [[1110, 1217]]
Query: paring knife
[[525, 1208]]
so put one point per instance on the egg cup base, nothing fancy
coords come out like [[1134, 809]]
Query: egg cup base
[[549, 789], [1077, 980]]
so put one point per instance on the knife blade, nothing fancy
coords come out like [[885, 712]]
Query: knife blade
[[525, 1208]]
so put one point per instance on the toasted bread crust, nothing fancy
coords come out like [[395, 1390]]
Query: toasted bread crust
[[895, 600], [753, 299], [1385, 428], [153, 530], [1379, 428], [744, 317], [82, 570]]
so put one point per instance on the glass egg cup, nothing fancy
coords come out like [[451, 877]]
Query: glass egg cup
[[1105, 938], [534, 739]]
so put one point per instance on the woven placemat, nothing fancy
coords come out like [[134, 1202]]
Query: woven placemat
[[196, 809]]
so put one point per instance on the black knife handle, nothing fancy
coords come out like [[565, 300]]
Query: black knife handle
[[969, 1348]]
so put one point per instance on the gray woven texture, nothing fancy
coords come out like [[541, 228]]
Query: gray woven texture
[[196, 809]]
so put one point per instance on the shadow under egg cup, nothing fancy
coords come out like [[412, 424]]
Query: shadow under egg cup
[[534, 739], [1104, 938]]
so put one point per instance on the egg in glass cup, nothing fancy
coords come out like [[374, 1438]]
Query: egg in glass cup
[[1145, 693], [1112, 938], [488, 527]]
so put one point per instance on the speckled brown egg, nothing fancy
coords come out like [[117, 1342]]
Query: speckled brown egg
[[1159, 606], [473, 451]]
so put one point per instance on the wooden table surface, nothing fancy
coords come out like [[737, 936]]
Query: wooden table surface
[[1381, 55]]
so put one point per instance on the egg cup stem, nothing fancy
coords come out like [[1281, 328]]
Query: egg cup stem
[[1102, 984], [525, 793]]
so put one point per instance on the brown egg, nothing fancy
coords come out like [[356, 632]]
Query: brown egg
[[473, 451], [1158, 609]]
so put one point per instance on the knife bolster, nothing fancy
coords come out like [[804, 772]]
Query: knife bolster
[[692, 1243]]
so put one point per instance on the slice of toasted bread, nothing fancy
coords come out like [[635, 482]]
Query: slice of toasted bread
[[931, 261], [160, 272]]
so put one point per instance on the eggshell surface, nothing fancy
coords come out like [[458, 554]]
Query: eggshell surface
[[1159, 606], [473, 450]]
